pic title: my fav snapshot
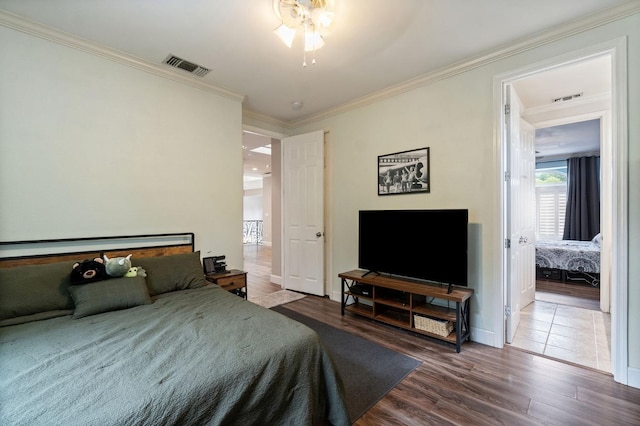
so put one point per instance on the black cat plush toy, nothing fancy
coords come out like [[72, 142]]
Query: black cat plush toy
[[88, 271]]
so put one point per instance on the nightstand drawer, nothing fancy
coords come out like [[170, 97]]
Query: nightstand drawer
[[231, 283]]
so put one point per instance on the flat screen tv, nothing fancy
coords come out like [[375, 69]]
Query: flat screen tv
[[429, 245]]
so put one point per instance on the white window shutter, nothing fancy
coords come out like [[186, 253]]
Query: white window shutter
[[551, 203]]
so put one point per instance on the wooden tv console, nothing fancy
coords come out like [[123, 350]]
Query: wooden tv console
[[398, 301]]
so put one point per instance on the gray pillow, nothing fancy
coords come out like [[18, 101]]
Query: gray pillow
[[109, 295], [173, 272], [31, 289], [597, 239]]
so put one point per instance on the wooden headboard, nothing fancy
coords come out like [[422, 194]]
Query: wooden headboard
[[37, 252]]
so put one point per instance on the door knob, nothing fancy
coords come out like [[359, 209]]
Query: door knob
[[318, 234]]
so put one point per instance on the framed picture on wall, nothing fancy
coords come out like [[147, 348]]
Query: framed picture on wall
[[405, 172]]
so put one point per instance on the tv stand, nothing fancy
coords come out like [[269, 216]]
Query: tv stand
[[398, 302]]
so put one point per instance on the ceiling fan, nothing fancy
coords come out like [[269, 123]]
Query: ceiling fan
[[315, 17]]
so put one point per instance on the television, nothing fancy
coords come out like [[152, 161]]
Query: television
[[428, 245]]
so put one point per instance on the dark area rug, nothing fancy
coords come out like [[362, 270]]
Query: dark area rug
[[369, 371]]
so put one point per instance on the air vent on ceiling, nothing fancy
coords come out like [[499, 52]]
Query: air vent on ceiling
[[568, 98], [196, 69]]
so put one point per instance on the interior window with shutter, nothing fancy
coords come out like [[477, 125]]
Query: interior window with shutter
[[550, 204], [551, 200]]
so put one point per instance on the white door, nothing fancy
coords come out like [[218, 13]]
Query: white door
[[303, 213], [520, 183], [527, 210]]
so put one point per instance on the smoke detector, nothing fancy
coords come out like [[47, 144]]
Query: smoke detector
[[190, 67]]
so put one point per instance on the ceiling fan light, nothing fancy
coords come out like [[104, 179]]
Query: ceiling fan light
[[312, 41], [322, 19], [285, 34], [315, 17]]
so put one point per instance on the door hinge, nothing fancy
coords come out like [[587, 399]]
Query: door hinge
[[507, 311], [507, 176], [507, 109], [507, 243]]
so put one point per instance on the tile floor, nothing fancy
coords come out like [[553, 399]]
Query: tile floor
[[578, 335]]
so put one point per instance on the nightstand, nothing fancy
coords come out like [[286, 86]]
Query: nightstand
[[233, 281]]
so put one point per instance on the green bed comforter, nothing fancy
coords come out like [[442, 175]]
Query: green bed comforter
[[193, 357]]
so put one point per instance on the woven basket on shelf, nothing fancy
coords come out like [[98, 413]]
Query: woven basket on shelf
[[432, 325]]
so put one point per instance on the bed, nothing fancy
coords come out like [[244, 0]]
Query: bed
[[190, 354], [569, 260]]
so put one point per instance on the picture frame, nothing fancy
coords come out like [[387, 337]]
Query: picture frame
[[405, 172]]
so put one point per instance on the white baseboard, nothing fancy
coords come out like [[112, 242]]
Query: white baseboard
[[484, 337], [336, 296], [276, 279], [633, 376]]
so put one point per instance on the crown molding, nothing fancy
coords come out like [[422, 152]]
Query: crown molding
[[36, 29], [248, 113], [528, 43]]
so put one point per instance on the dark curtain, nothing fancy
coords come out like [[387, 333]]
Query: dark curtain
[[582, 217]]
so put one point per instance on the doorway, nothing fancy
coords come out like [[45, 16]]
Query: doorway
[[262, 202], [303, 179], [256, 176], [556, 319], [613, 185], [564, 319]]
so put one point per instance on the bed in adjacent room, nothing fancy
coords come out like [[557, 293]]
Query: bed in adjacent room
[[569, 260], [181, 352]]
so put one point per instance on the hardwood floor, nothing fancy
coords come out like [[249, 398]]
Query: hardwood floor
[[584, 296], [257, 264], [480, 385]]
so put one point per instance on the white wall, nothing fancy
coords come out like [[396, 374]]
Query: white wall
[[267, 228], [276, 211], [454, 116], [92, 147], [252, 209], [447, 117]]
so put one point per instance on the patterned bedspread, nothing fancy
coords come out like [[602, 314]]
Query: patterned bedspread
[[569, 255]]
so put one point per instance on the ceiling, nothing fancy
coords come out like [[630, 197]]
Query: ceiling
[[375, 45], [387, 42], [563, 140], [591, 80]]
